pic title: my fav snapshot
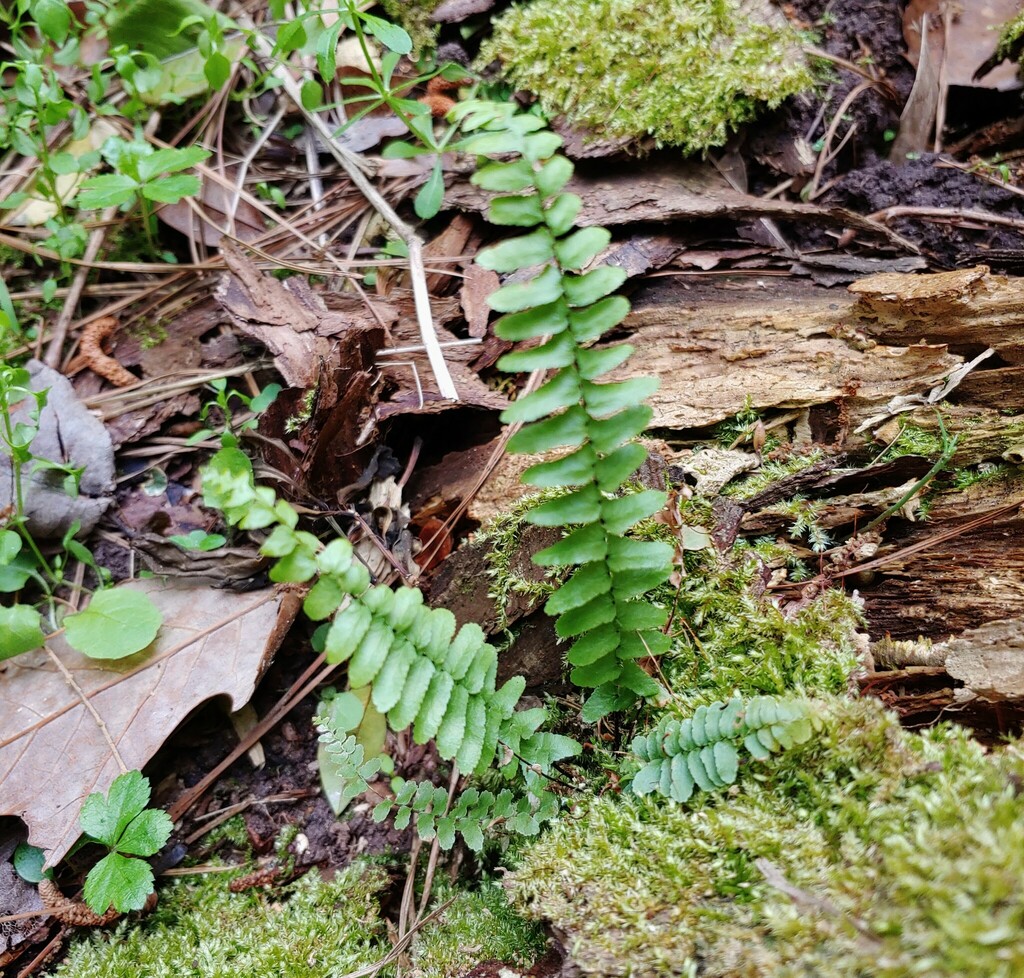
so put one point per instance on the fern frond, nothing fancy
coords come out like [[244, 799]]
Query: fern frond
[[703, 751], [602, 604]]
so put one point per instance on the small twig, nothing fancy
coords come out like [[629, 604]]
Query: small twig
[[824, 157], [952, 214], [100, 722], [354, 167]]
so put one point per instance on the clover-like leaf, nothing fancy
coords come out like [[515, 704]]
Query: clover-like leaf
[[120, 882], [117, 623]]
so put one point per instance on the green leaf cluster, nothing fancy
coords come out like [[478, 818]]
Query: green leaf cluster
[[703, 751], [123, 824], [558, 314], [473, 813]]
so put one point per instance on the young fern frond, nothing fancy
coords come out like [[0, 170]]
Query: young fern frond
[[703, 751], [562, 311], [422, 674]]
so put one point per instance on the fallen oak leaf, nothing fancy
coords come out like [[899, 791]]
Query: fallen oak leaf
[[53, 755]]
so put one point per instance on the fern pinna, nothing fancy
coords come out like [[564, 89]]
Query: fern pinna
[[558, 314], [702, 751]]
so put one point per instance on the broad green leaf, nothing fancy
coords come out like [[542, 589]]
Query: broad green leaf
[[434, 707], [335, 558], [20, 630], [169, 190], [635, 679], [594, 645], [106, 190], [400, 150], [311, 95], [453, 726], [28, 862], [604, 399], [682, 781], [552, 175], [296, 567], [618, 515], [53, 18], [390, 680], [584, 544], [647, 778], [216, 69], [390, 35], [607, 698], [431, 195], [586, 583], [472, 835], [608, 433], [119, 882], [582, 290], [368, 658], [323, 598], [639, 615], [117, 623], [571, 470], [539, 291], [560, 215], [543, 320], [472, 745], [539, 145], [614, 469], [492, 143], [560, 392], [726, 761], [481, 669], [464, 648], [446, 832], [628, 554], [413, 694], [504, 178], [605, 670], [346, 632], [10, 546], [146, 833], [597, 611], [639, 645], [523, 212], [580, 506], [281, 542], [523, 251], [567, 429], [504, 701], [594, 362], [559, 351], [171, 161], [105, 819], [633, 583]]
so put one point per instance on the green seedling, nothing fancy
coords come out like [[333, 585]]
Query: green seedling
[[123, 824]]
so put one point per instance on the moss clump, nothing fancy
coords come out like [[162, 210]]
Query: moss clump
[[734, 639], [686, 72], [479, 925], [414, 16], [907, 850], [200, 929]]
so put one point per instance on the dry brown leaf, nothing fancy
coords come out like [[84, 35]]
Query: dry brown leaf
[[477, 284], [52, 751]]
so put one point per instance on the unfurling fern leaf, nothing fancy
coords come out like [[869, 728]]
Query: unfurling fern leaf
[[563, 311], [703, 751]]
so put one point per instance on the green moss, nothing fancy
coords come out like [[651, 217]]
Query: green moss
[[686, 72], [914, 440], [479, 925], [200, 929], [907, 850], [414, 16], [771, 472], [1010, 32], [731, 638]]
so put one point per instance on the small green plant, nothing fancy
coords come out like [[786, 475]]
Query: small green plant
[[123, 824], [136, 619], [602, 605], [702, 751]]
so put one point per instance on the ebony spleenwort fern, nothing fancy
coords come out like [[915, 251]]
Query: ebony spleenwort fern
[[703, 751], [601, 606], [422, 674]]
